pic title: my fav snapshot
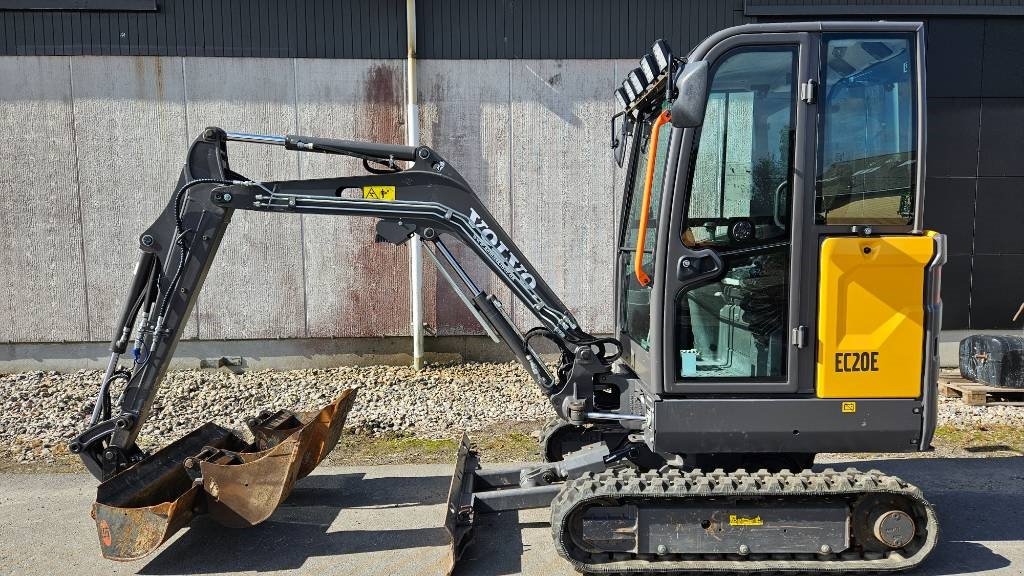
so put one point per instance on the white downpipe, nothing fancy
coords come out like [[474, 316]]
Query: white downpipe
[[412, 130]]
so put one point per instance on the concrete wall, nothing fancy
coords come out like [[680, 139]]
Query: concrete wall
[[93, 146]]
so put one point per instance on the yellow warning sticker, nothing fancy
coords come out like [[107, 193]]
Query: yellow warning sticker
[[735, 520], [378, 192], [849, 407]]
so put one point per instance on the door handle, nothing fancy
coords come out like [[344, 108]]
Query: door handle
[[698, 264], [775, 204]]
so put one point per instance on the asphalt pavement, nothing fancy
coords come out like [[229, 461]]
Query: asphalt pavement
[[388, 520]]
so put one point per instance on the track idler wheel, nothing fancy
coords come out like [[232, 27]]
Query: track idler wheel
[[213, 470], [883, 522]]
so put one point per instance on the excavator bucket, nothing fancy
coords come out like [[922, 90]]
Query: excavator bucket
[[212, 470]]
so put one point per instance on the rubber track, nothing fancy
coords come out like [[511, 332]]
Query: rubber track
[[674, 484]]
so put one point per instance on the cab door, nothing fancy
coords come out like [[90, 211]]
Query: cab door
[[731, 275]]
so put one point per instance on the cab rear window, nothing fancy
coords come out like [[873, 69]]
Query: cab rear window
[[868, 148]]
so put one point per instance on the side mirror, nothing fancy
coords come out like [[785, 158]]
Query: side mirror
[[692, 89], [620, 142]]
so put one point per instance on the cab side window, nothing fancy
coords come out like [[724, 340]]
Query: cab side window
[[744, 156], [733, 327], [636, 298], [867, 149]]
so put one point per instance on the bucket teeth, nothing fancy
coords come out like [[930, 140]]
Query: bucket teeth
[[212, 470]]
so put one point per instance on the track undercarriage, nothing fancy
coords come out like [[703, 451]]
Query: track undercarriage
[[620, 519]]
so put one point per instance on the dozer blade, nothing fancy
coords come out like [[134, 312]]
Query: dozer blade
[[477, 491], [213, 470], [459, 514]]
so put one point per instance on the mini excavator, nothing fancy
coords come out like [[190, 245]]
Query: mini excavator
[[776, 297]]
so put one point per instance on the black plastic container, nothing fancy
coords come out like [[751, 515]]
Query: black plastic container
[[993, 360]]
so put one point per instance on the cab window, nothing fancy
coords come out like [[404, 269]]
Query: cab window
[[734, 326], [867, 152], [636, 299]]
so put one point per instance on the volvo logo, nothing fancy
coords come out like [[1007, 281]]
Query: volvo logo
[[492, 238]]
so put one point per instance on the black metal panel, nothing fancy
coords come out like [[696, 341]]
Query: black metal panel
[[447, 29], [953, 131], [703, 426], [1002, 137], [950, 209], [1001, 208], [864, 7], [997, 291], [254, 28], [954, 49], [78, 5], [777, 527], [1004, 58], [462, 29]]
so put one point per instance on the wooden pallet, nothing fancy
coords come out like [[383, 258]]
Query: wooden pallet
[[975, 394]]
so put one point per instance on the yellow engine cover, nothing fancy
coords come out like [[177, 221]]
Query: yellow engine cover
[[871, 305]]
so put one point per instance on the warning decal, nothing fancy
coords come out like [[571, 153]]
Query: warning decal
[[378, 192]]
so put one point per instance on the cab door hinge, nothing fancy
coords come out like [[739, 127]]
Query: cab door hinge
[[809, 91], [799, 337]]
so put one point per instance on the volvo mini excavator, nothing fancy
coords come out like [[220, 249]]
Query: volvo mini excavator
[[776, 297]]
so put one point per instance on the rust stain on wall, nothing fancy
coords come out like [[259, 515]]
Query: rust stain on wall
[[380, 287]]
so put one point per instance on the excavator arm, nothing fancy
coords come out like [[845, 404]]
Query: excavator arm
[[429, 198], [144, 498]]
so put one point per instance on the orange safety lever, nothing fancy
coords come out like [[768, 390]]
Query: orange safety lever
[[645, 207]]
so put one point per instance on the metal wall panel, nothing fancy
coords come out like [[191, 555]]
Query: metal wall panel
[[354, 286], [1000, 206], [563, 181], [446, 29], [255, 286], [996, 289], [267, 28], [594, 29], [954, 131], [954, 54], [862, 7], [42, 273], [465, 116], [949, 208], [130, 137]]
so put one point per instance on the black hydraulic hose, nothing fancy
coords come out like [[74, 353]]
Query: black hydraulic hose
[[179, 232], [122, 330], [165, 300]]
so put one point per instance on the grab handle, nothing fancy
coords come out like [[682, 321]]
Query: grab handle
[[645, 207]]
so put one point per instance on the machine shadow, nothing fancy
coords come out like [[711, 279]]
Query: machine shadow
[[299, 529], [971, 495], [974, 498], [975, 501], [497, 549]]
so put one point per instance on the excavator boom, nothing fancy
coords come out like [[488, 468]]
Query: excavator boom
[[145, 498]]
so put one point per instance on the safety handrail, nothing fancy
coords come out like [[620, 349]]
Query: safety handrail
[[645, 207]]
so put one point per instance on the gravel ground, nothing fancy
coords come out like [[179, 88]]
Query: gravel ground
[[40, 411]]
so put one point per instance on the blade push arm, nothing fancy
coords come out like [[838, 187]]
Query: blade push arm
[[428, 198]]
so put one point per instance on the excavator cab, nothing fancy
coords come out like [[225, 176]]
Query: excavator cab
[[776, 296], [771, 243]]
